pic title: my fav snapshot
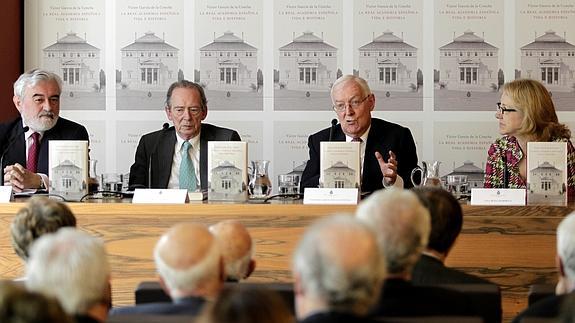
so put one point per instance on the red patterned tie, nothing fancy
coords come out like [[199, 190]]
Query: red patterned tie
[[32, 162], [357, 139]]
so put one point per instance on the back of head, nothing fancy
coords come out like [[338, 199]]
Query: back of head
[[71, 266], [337, 263], [31, 78], [446, 217], [236, 247], [540, 122], [402, 226], [17, 305], [566, 246], [246, 305], [188, 261], [40, 216]]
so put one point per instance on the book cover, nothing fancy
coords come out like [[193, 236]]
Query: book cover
[[227, 171], [547, 173], [68, 168], [340, 165]]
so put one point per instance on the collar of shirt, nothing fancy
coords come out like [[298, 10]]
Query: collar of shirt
[[363, 137], [195, 141], [29, 133]]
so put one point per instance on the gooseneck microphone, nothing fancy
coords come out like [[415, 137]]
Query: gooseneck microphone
[[11, 142], [165, 127], [331, 129], [505, 171]]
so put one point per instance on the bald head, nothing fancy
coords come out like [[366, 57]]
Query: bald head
[[236, 247], [188, 261]]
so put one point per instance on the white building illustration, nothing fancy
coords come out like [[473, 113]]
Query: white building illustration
[[475, 175], [75, 61], [469, 63], [307, 63], [546, 179], [339, 175], [388, 63], [229, 63], [227, 179], [149, 63], [551, 60], [67, 180]]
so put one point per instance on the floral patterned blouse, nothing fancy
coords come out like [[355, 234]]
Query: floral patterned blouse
[[509, 146]]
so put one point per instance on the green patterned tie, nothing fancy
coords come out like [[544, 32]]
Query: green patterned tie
[[187, 170]]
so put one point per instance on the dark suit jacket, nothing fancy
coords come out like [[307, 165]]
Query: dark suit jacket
[[547, 307], [383, 137], [335, 317], [159, 147], [189, 305], [16, 153], [401, 298], [431, 271]]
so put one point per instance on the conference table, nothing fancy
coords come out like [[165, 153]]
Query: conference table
[[512, 246]]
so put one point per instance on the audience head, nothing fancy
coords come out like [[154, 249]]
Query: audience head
[[189, 262], [17, 305], [402, 226], [566, 249], [446, 217], [41, 215], [186, 107], [71, 266], [337, 267], [236, 247], [37, 98], [246, 305], [535, 117], [353, 102]]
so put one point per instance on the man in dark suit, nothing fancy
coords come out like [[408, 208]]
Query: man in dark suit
[[446, 223], [402, 227], [380, 141], [162, 152], [190, 267], [337, 272], [37, 98]]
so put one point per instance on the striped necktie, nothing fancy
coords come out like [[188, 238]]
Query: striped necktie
[[32, 162], [187, 171]]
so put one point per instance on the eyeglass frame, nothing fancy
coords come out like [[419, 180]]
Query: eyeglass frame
[[194, 111], [354, 104], [501, 109]]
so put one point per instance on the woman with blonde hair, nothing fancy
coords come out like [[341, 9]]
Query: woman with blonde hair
[[526, 113]]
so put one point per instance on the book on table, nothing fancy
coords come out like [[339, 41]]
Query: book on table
[[547, 173], [68, 168], [227, 171]]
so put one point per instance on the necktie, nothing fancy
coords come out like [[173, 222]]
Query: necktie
[[32, 162], [187, 170], [358, 139]]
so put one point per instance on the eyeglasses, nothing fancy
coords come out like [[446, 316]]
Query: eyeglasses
[[502, 109], [354, 104], [195, 111]]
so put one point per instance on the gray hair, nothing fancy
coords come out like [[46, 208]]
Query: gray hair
[[323, 269], [351, 78], [33, 77], [566, 245], [185, 84], [402, 226], [71, 266]]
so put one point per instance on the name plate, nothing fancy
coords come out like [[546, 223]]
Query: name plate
[[160, 196], [330, 196], [498, 196], [5, 193]]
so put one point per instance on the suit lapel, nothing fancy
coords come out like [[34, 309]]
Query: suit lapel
[[165, 152], [205, 136]]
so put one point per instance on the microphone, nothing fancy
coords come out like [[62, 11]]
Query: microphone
[[505, 171], [11, 142], [333, 124], [165, 127]]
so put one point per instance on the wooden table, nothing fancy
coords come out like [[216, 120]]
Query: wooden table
[[511, 246]]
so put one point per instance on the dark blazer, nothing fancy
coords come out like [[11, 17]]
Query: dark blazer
[[159, 147], [547, 307], [383, 137], [400, 298], [188, 305], [431, 271], [16, 153], [335, 317]]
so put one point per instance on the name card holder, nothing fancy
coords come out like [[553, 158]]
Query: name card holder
[[498, 196], [5, 194], [160, 196], [348, 196]]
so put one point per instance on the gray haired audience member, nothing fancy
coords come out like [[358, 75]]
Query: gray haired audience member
[[337, 271], [402, 226], [41, 215], [236, 247], [446, 223], [190, 268], [72, 266], [551, 306]]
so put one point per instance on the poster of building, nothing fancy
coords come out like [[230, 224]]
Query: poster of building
[[468, 67], [250, 132], [229, 58], [387, 51], [307, 53], [545, 47]]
